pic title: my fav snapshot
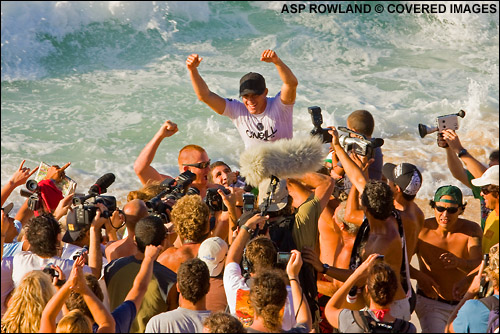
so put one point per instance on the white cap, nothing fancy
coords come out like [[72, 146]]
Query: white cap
[[213, 252], [490, 176]]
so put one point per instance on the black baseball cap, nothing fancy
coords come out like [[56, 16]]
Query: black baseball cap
[[405, 175], [73, 228], [252, 83]]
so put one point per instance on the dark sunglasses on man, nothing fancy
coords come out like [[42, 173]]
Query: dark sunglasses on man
[[200, 165], [452, 209]]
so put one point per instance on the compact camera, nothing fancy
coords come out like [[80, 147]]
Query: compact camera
[[283, 257], [442, 123], [248, 202]]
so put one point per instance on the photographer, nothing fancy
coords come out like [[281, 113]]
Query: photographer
[[456, 154], [259, 255]]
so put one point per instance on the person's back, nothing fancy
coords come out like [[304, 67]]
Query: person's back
[[120, 274], [193, 285]]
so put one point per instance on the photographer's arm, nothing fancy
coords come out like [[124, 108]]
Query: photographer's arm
[[21, 175], [290, 82], [292, 269], [204, 94], [24, 214], [352, 170], [473, 165], [322, 185], [235, 253], [353, 212], [142, 165], [95, 253]]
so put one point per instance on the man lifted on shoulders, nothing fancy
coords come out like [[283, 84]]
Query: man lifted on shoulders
[[259, 118]]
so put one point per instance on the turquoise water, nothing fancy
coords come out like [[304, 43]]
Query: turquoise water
[[92, 82]]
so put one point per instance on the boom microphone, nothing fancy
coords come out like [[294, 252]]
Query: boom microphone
[[101, 185], [282, 158]]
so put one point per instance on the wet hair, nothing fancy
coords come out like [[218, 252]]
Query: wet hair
[[149, 231], [76, 301], [191, 217], [267, 297], [74, 322], [42, 234], [222, 322], [378, 199], [27, 303], [362, 121], [150, 190], [382, 283], [261, 253], [193, 280]]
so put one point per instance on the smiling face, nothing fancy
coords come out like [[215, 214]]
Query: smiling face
[[447, 213], [223, 175], [255, 104]]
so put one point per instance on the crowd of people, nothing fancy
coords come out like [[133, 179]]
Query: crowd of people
[[326, 251]]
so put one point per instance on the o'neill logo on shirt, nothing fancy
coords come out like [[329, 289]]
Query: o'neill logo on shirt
[[262, 135]]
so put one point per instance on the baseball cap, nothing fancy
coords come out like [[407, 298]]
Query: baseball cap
[[449, 190], [279, 199], [490, 176], [405, 175], [213, 252], [252, 83], [73, 228], [8, 208]]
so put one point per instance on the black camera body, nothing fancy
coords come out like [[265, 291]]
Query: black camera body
[[32, 192], [174, 189], [214, 199], [51, 271], [359, 145], [248, 202], [85, 211], [317, 120]]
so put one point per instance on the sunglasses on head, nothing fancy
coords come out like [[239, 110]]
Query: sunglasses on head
[[200, 165], [450, 209]]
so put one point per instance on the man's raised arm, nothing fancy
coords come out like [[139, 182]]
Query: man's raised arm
[[290, 82], [204, 94]]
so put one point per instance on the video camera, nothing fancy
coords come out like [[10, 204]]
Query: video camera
[[32, 192], [361, 146], [442, 123], [214, 200], [86, 210], [174, 189]]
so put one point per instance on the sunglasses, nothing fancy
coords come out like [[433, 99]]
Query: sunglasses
[[200, 165], [487, 189], [450, 209]]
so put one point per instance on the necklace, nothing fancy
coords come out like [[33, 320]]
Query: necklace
[[257, 123]]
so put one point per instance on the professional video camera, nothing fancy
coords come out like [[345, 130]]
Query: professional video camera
[[442, 123], [361, 146], [214, 200], [317, 120], [174, 189], [32, 192], [85, 210]]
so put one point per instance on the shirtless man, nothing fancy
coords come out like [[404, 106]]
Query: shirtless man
[[190, 216], [405, 181], [259, 118], [191, 157], [448, 248], [133, 212], [377, 202]]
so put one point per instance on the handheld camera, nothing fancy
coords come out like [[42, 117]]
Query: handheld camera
[[317, 120], [360, 145], [32, 192], [214, 200], [442, 123], [248, 202], [283, 257]]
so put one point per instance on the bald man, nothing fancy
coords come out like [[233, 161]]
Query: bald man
[[133, 212]]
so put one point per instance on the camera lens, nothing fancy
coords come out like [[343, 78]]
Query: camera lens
[[32, 185]]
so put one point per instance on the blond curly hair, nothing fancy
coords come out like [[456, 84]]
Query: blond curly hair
[[27, 303], [191, 216]]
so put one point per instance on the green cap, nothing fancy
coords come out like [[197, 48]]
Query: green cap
[[452, 191]]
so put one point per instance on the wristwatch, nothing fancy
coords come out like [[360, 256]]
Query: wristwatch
[[462, 152], [325, 268], [248, 229]]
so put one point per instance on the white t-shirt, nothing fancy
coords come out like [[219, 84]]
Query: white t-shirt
[[15, 267], [234, 281], [276, 122], [180, 320]]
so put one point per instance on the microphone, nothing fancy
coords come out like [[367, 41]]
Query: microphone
[[101, 185]]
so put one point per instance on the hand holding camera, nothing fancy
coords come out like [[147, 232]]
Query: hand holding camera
[[294, 264], [442, 123]]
